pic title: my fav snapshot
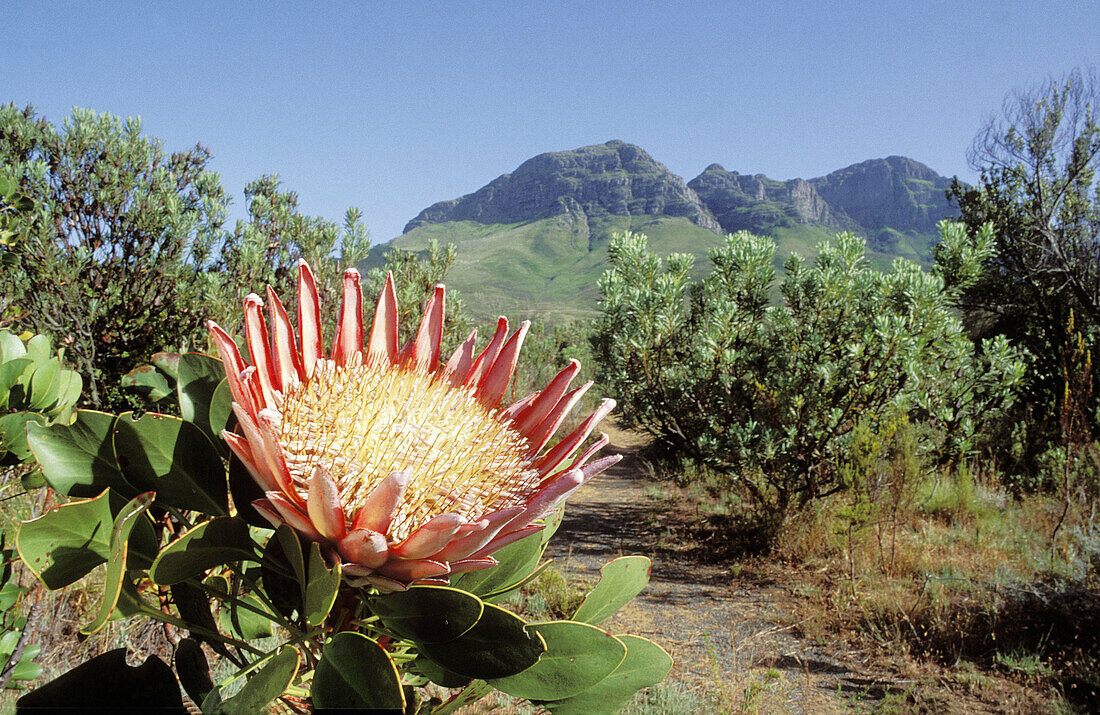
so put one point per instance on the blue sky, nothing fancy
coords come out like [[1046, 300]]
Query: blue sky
[[393, 106]]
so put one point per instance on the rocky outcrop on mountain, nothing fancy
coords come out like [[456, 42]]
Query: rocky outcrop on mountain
[[757, 203], [615, 178], [895, 193], [892, 193]]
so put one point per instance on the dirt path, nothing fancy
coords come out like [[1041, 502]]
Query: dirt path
[[737, 640]]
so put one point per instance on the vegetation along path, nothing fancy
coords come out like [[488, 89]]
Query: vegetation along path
[[737, 641]]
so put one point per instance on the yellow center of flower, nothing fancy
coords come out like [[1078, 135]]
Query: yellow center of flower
[[362, 422]]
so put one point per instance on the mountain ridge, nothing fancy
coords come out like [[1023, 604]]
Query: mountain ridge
[[618, 178], [614, 178], [535, 239]]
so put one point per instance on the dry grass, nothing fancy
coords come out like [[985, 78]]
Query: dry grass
[[949, 582]]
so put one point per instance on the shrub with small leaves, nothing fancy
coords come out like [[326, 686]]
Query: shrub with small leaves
[[769, 393]]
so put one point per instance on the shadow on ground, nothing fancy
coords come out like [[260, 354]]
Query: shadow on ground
[[733, 633]]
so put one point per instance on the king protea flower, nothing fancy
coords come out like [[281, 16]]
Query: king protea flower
[[404, 468]]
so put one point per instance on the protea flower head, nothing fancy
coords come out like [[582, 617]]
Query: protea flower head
[[404, 467]]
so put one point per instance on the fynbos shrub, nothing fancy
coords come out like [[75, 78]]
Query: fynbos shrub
[[769, 393]]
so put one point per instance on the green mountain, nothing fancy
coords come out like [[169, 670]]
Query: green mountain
[[534, 242]]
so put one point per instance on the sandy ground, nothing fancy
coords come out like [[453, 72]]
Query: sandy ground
[[735, 639]]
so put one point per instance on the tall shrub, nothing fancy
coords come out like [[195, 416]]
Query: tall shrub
[[1038, 159], [125, 251], [768, 393], [106, 262]]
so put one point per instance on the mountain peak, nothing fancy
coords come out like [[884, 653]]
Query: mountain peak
[[896, 192], [615, 178]]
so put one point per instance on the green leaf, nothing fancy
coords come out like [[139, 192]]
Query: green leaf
[[78, 460], [212, 543], [70, 384], [247, 625], [13, 433], [577, 657], [499, 645], [8, 642], [321, 587], [39, 349], [204, 394], [291, 548], [193, 669], [221, 409], [355, 673], [32, 480], [428, 614], [116, 562], [11, 591], [645, 664], [516, 561], [44, 385], [130, 603], [168, 363], [9, 376], [73, 538], [25, 669], [11, 347], [620, 581], [265, 685], [174, 458], [68, 541], [283, 574], [193, 605], [438, 674], [148, 382]]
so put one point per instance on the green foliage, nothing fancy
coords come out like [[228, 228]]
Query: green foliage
[[34, 387], [14, 205], [108, 261], [769, 394], [155, 453], [266, 248], [645, 663], [1038, 160], [355, 672], [16, 654], [266, 683], [578, 657], [124, 250], [620, 581]]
